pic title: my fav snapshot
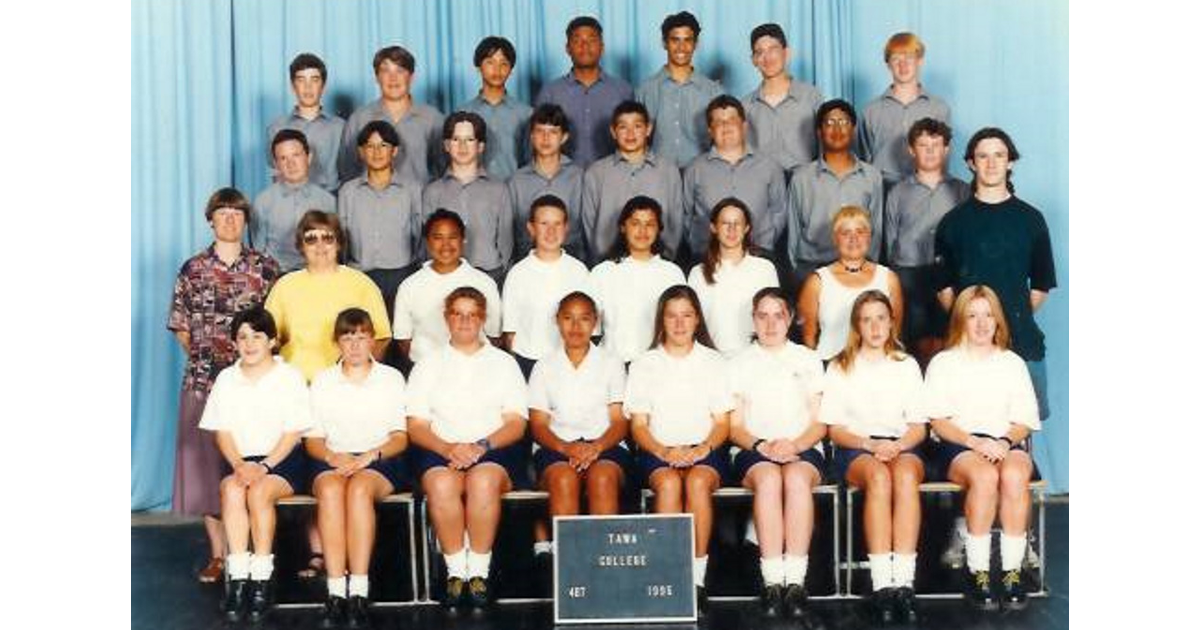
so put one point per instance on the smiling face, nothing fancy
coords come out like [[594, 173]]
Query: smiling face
[[680, 321], [837, 131], [771, 321], [548, 228], [730, 228], [394, 81], [770, 57], [640, 231], [680, 46], [228, 224], [444, 243], [292, 160], [377, 154], [981, 323], [320, 248], [576, 321], [464, 319], [631, 132], [851, 238], [874, 325], [254, 347], [990, 163]]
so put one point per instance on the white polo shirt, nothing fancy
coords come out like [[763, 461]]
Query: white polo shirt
[[357, 417], [258, 413], [532, 290], [627, 294], [577, 398], [981, 395], [728, 302], [679, 394], [420, 306], [876, 398], [776, 386], [464, 395]]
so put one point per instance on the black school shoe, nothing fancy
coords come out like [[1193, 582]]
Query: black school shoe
[[1012, 591], [455, 589], [905, 606], [261, 599], [333, 615], [701, 599], [356, 612], [795, 601], [979, 591], [881, 604], [771, 600], [478, 592], [233, 606]]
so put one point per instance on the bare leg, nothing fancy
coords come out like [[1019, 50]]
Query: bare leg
[[216, 536], [981, 480], [365, 488], [234, 515], [873, 476], [700, 483], [330, 489], [562, 482], [667, 484], [604, 487], [765, 479], [444, 491], [1015, 500], [261, 498], [485, 483], [799, 479], [907, 474]]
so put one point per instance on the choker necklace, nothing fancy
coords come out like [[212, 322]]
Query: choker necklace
[[857, 269]]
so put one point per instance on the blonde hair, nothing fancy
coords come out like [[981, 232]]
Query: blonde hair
[[958, 316], [892, 348], [903, 42], [850, 213]]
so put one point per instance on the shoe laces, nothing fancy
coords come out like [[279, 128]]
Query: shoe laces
[[1011, 578]]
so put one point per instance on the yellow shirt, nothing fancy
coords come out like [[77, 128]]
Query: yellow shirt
[[306, 305]]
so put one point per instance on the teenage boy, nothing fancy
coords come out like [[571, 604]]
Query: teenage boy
[[507, 118], [549, 173], [323, 129], [280, 206], [782, 110]]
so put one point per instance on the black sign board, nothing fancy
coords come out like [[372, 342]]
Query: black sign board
[[629, 569]]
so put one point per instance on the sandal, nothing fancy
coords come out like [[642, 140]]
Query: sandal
[[314, 569], [212, 572]]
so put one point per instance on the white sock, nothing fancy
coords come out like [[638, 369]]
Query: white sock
[[478, 564], [359, 585], [795, 569], [237, 565], [1012, 551], [543, 546], [261, 567], [772, 570], [456, 564], [881, 570], [699, 568], [336, 586], [979, 552], [904, 567]]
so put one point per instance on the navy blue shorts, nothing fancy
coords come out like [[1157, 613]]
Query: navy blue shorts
[[843, 457], [619, 455], [746, 459], [943, 453], [513, 458], [718, 460], [293, 469], [394, 469]]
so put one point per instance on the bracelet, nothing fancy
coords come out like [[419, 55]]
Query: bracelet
[[1006, 440], [754, 447], [269, 467]]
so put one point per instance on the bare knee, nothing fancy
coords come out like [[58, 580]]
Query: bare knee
[[1014, 479], [232, 491], [879, 481], [666, 482], [441, 487], [329, 488], [482, 483], [700, 485], [798, 478], [562, 481], [602, 478], [260, 496], [768, 481]]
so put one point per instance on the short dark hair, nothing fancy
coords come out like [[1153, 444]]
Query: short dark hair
[[620, 248], [577, 296], [398, 55], [227, 198], [550, 114], [724, 101], [287, 135], [629, 107], [998, 134], [770, 29], [548, 200], [833, 105], [259, 319], [676, 20], [386, 132], [314, 219], [929, 126], [351, 320], [491, 44], [442, 214], [582, 21], [475, 120], [305, 61]]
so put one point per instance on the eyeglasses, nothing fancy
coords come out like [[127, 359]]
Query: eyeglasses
[[837, 122], [322, 236]]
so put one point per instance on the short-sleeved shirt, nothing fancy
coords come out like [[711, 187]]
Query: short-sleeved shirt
[[815, 195], [589, 109], [627, 293], [776, 385], [754, 179], [258, 413], [463, 396], [677, 110], [680, 394], [877, 398], [306, 305], [911, 216], [529, 183], [507, 133], [787, 132], [421, 304], [577, 398], [277, 212], [485, 208], [532, 290], [612, 181], [728, 302], [324, 136], [357, 417], [208, 293], [420, 131], [1005, 246], [384, 226], [981, 394], [883, 131]]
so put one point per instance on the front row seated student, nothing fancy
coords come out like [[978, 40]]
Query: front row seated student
[[678, 399], [777, 386], [982, 405], [355, 444], [280, 206], [466, 419], [258, 408], [549, 172], [420, 320], [629, 282], [872, 405], [537, 282]]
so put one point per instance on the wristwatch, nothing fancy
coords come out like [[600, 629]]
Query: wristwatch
[[487, 446]]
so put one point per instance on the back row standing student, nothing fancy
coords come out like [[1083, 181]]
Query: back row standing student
[[887, 119], [323, 129], [549, 173], [507, 118], [782, 109], [676, 95], [417, 124], [280, 205]]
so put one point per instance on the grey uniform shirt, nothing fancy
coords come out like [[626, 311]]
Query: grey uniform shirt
[[485, 208], [912, 214], [383, 226], [883, 131], [324, 135], [589, 110], [420, 131], [507, 133], [612, 181], [815, 194], [277, 212], [528, 183], [756, 180], [786, 132], [677, 109]]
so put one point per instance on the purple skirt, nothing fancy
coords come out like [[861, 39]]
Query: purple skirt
[[198, 463]]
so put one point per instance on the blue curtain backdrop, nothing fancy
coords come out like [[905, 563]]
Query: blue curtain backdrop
[[208, 76]]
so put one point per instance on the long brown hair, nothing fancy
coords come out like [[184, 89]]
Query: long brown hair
[[679, 291], [892, 348], [712, 258], [958, 316]]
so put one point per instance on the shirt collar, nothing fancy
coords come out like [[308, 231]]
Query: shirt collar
[[211, 253], [920, 94], [713, 154], [821, 165], [320, 113], [649, 158]]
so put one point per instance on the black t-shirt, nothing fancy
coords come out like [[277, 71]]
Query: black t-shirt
[[1006, 246]]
